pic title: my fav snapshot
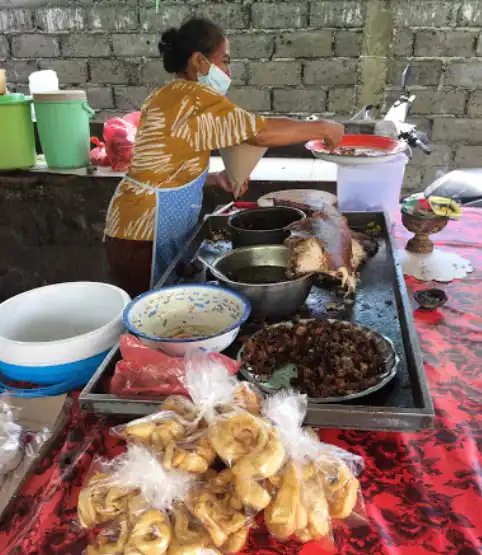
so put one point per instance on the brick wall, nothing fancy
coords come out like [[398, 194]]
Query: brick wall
[[290, 57]]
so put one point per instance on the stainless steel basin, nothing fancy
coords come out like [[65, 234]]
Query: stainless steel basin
[[271, 300]]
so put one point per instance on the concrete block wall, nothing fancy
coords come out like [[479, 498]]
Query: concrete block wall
[[289, 57]]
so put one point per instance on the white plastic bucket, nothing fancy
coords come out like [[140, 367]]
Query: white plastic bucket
[[372, 187], [60, 324], [42, 81]]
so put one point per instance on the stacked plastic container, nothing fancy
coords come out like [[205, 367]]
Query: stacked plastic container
[[372, 187]]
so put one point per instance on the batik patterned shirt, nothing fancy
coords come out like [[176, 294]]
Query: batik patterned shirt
[[180, 125]]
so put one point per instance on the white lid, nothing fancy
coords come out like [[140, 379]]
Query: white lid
[[59, 96], [43, 74]]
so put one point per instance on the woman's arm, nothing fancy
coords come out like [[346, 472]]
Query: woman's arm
[[285, 131]]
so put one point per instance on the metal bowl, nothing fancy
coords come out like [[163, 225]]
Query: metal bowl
[[262, 226], [284, 375], [430, 299], [270, 300]]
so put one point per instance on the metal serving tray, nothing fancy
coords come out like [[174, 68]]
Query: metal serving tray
[[381, 304]]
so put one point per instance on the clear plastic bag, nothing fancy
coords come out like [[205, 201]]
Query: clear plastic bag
[[178, 432], [189, 535], [213, 388], [246, 397], [23, 437], [247, 444], [253, 452], [150, 373], [223, 503], [230, 410], [125, 503], [317, 485], [16, 443], [215, 505], [10, 440]]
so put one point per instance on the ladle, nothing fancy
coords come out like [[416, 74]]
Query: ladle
[[216, 273]]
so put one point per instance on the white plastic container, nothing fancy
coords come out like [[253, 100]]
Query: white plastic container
[[372, 187], [42, 81], [49, 334]]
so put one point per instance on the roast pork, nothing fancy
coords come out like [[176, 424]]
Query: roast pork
[[324, 244]]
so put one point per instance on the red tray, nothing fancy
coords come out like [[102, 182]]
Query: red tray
[[372, 149]]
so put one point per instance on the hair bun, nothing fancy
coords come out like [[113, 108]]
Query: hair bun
[[169, 40], [178, 45]]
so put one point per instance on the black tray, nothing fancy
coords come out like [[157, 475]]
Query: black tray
[[381, 303]]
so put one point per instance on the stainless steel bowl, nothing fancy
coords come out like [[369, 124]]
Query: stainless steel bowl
[[262, 226], [271, 300], [283, 377]]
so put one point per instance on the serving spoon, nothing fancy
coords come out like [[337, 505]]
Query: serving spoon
[[216, 273]]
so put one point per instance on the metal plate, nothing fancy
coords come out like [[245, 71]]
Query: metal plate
[[381, 304], [385, 346]]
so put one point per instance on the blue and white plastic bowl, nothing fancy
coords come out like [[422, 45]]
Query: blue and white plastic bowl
[[213, 312], [59, 334]]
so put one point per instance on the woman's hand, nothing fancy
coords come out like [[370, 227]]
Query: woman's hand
[[221, 179], [333, 134]]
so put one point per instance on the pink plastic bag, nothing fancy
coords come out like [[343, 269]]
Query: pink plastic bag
[[147, 372], [119, 136], [133, 118], [98, 155]]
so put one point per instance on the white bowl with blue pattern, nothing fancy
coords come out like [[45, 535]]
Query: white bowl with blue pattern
[[182, 318]]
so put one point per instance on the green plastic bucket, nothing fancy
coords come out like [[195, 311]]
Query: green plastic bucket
[[63, 128], [17, 139]]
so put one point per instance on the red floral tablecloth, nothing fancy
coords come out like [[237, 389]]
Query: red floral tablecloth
[[423, 491]]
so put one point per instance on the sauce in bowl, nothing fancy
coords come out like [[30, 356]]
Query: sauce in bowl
[[258, 275], [191, 332]]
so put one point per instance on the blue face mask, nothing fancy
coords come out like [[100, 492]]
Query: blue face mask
[[216, 78]]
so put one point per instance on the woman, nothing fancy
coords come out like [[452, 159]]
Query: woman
[[158, 203]]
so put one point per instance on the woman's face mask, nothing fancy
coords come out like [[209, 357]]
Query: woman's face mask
[[216, 78]]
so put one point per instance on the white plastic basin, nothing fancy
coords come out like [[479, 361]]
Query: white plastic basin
[[49, 328]]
